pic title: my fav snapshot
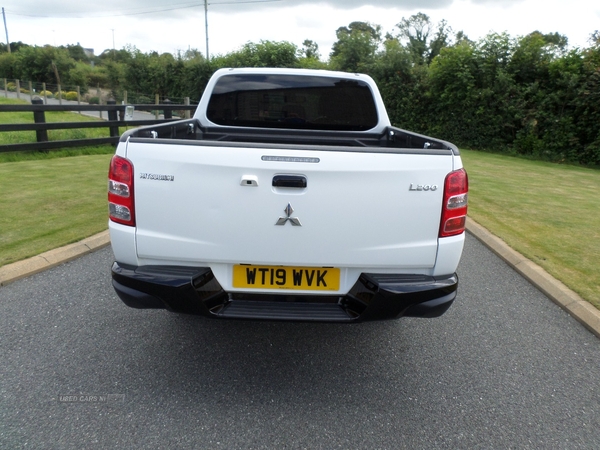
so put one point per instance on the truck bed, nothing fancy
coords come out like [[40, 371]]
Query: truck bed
[[392, 139]]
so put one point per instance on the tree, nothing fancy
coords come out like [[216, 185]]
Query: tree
[[309, 56], [452, 86], [44, 64], [112, 75], [310, 49], [586, 102], [423, 40], [196, 73], [356, 47], [493, 54], [14, 47], [401, 86], [153, 73], [262, 54], [533, 53], [124, 55], [192, 54], [440, 40], [77, 52], [8, 64]]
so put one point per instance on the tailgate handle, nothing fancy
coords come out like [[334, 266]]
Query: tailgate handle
[[289, 181]]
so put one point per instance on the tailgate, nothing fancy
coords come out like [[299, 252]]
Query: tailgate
[[205, 204]]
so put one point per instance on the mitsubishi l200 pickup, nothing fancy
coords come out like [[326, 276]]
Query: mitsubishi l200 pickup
[[287, 196]]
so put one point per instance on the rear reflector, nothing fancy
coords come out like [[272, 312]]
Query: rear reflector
[[454, 208], [120, 191]]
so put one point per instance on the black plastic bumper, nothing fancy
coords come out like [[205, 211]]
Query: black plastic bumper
[[195, 290]]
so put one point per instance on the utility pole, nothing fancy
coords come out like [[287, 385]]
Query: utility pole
[[113, 35], [6, 29], [206, 17], [205, 25]]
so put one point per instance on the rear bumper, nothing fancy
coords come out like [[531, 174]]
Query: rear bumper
[[195, 290]]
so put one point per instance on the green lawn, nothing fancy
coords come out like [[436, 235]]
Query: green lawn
[[49, 200], [49, 203], [550, 213]]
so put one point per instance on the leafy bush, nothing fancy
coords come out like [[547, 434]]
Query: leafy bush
[[12, 87], [527, 143], [94, 101], [591, 154], [529, 95], [46, 93], [142, 100], [71, 96]]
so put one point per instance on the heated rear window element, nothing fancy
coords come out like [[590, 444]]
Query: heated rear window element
[[298, 102]]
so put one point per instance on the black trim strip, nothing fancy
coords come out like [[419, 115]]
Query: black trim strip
[[321, 148], [195, 290]]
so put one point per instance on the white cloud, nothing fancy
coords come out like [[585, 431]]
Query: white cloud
[[231, 25]]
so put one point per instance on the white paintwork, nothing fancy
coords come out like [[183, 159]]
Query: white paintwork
[[449, 253], [122, 239]]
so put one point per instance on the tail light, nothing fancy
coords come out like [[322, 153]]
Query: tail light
[[120, 191], [454, 209]]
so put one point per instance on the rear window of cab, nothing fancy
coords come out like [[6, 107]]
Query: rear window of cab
[[292, 101]]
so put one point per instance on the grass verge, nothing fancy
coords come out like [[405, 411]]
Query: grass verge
[[547, 212], [48, 203], [49, 200]]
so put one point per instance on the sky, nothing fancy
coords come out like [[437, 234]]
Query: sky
[[178, 25]]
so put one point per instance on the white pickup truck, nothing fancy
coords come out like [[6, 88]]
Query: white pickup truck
[[288, 196]]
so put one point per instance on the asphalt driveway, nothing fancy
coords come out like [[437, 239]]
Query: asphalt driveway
[[504, 368]]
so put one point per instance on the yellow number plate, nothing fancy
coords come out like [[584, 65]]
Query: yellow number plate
[[299, 278]]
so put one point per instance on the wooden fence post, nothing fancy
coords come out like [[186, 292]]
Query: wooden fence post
[[79, 97], [156, 102], [186, 101], [18, 83], [112, 116], [168, 114], [59, 95], [5, 89], [39, 117], [45, 94]]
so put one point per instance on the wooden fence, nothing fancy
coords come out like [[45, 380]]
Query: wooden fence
[[116, 119]]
